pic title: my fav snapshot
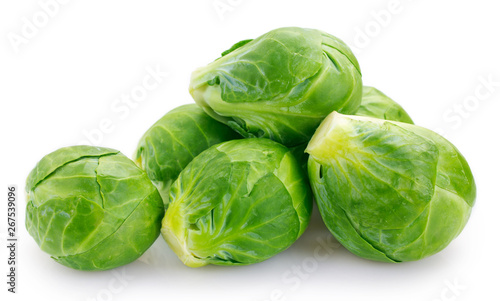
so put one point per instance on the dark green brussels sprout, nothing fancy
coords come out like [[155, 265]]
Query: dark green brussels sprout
[[378, 105], [174, 140], [237, 203], [280, 85], [389, 191], [92, 208], [299, 152]]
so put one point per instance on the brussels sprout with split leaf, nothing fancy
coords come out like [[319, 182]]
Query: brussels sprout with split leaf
[[280, 85], [174, 140], [378, 105], [92, 208], [389, 191], [237, 203]]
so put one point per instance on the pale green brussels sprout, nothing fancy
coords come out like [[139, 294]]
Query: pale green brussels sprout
[[174, 140], [92, 208], [237, 203], [373, 104], [378, 105], [389, 191], [281, 85]]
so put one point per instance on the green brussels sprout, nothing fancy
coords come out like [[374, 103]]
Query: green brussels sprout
[[237, 203], [389, 191], [281, 85], [378, 105], [299, 152], [92, 208], [174, 140]]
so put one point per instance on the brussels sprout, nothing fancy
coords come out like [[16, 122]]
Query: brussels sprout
[[280, 85], [92, 208], [378, 105], [299, 152], [237, 203], [389, 191], [174, 140]]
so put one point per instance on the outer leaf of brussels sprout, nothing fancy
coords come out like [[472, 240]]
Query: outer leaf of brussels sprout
[[280, 85], [337, 220], [237, 203], [174, 140], [389, 191], [235, 46], [63, 156], [92, 208], [378, 105], [299, 152]]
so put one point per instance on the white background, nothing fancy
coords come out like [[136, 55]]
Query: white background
[[65, 77]]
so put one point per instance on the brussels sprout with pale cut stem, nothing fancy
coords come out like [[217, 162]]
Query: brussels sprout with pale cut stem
[[280, 85], [237, 203], [389, 191]]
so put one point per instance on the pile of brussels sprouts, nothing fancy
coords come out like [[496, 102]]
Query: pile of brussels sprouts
[[228, 180]]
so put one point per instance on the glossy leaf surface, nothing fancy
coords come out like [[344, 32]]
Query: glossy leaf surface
[[92, 208], [389, 191], [280, 85], [378, 105], [237, 203], [174, 140]]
